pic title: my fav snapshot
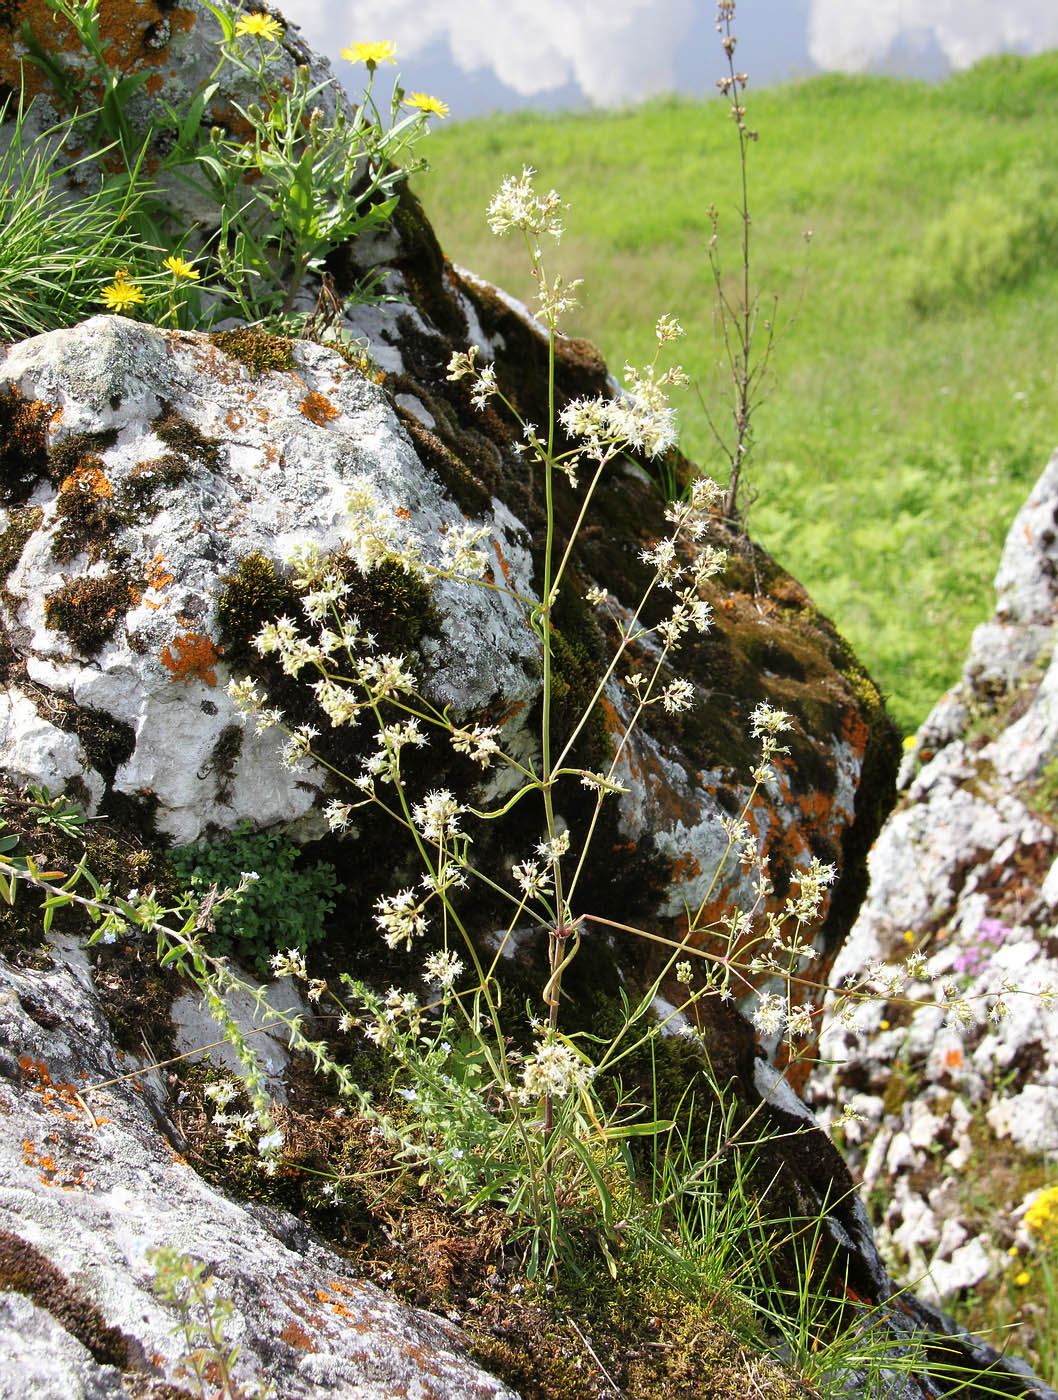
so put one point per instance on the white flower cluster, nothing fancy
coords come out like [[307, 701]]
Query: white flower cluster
[[479, 742], [608, 426], [556, 1070], [516, 205]]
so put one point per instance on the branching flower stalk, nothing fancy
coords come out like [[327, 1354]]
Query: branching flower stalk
[[738, 321]]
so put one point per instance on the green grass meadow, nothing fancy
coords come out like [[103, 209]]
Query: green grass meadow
[[913, 393]]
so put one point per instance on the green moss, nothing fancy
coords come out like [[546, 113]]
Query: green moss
[[184, 439], [107, 742], [253, 594], [72, 451], [259, 352], [393, 604], [147, 480], [23, 1269], [89, 610], [23, 445], [21, 523], [87, 519]]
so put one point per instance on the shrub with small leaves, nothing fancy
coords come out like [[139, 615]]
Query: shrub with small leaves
[[282, 906]]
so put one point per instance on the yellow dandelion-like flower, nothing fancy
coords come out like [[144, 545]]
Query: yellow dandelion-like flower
[[371, 54], [121, 294], [258, 26], [1041, 1218], [909, 936], [179, 268], [432, 106], [883, 1025], [1022, 1279]]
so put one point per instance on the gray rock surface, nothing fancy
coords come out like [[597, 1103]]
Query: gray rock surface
[[963, 873], [89, 1181]]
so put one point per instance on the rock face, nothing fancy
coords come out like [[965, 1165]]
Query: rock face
[[966, 873], [85, 1194]]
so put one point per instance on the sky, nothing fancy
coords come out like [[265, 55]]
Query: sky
[[481, 56]]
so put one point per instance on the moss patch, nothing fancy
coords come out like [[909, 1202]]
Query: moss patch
[[21, 523], [89, 610], [24, 427], [23, 1269], [182, 438], [254, 594], [259, 352]]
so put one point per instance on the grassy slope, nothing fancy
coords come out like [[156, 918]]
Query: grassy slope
[[891, 450]]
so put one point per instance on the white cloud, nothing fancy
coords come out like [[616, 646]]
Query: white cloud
[[615, 50], [853, 34]]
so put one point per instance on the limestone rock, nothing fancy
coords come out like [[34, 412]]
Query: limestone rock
[[90, 1190], [962, 873]]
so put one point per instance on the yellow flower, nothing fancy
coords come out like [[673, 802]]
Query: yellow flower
[[433, 106], [884, 1025], [121, 293], [259, 26], [1013, 1251], [179, 268], [909, 936], [1022, 1279], [1041, 1218], [371, 54]]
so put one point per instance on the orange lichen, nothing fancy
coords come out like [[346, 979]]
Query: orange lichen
[[296, 1336], [318, 409], [123, 25], [90, 478], [157, 576], [192, 657], [50, 1173]]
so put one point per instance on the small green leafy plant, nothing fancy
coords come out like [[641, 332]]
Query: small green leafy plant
[[309, 177], [281, 906], [208, 1361]]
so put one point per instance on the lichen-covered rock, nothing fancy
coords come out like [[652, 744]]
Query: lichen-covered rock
[[163, 486], [87, 1189], [963, 873]]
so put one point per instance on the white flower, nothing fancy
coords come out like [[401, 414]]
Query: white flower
[[443, 968], [479, 742], [289, 964], [554, 1069], [437, 816], [770, 1013], [667, 328], [270, 1142], [555, 848], [531, 879], [677, 696], [517, 206], [337, 814], [766, 719], [400, 917]]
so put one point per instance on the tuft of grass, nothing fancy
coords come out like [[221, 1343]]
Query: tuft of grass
[[893, 447]]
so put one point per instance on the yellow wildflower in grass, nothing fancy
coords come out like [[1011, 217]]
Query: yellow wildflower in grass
[[432, 106], [258, 26], [1041, 1218], [1022, 1279], [179, 268], [909, 936], [371, 53], [121, 294]]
